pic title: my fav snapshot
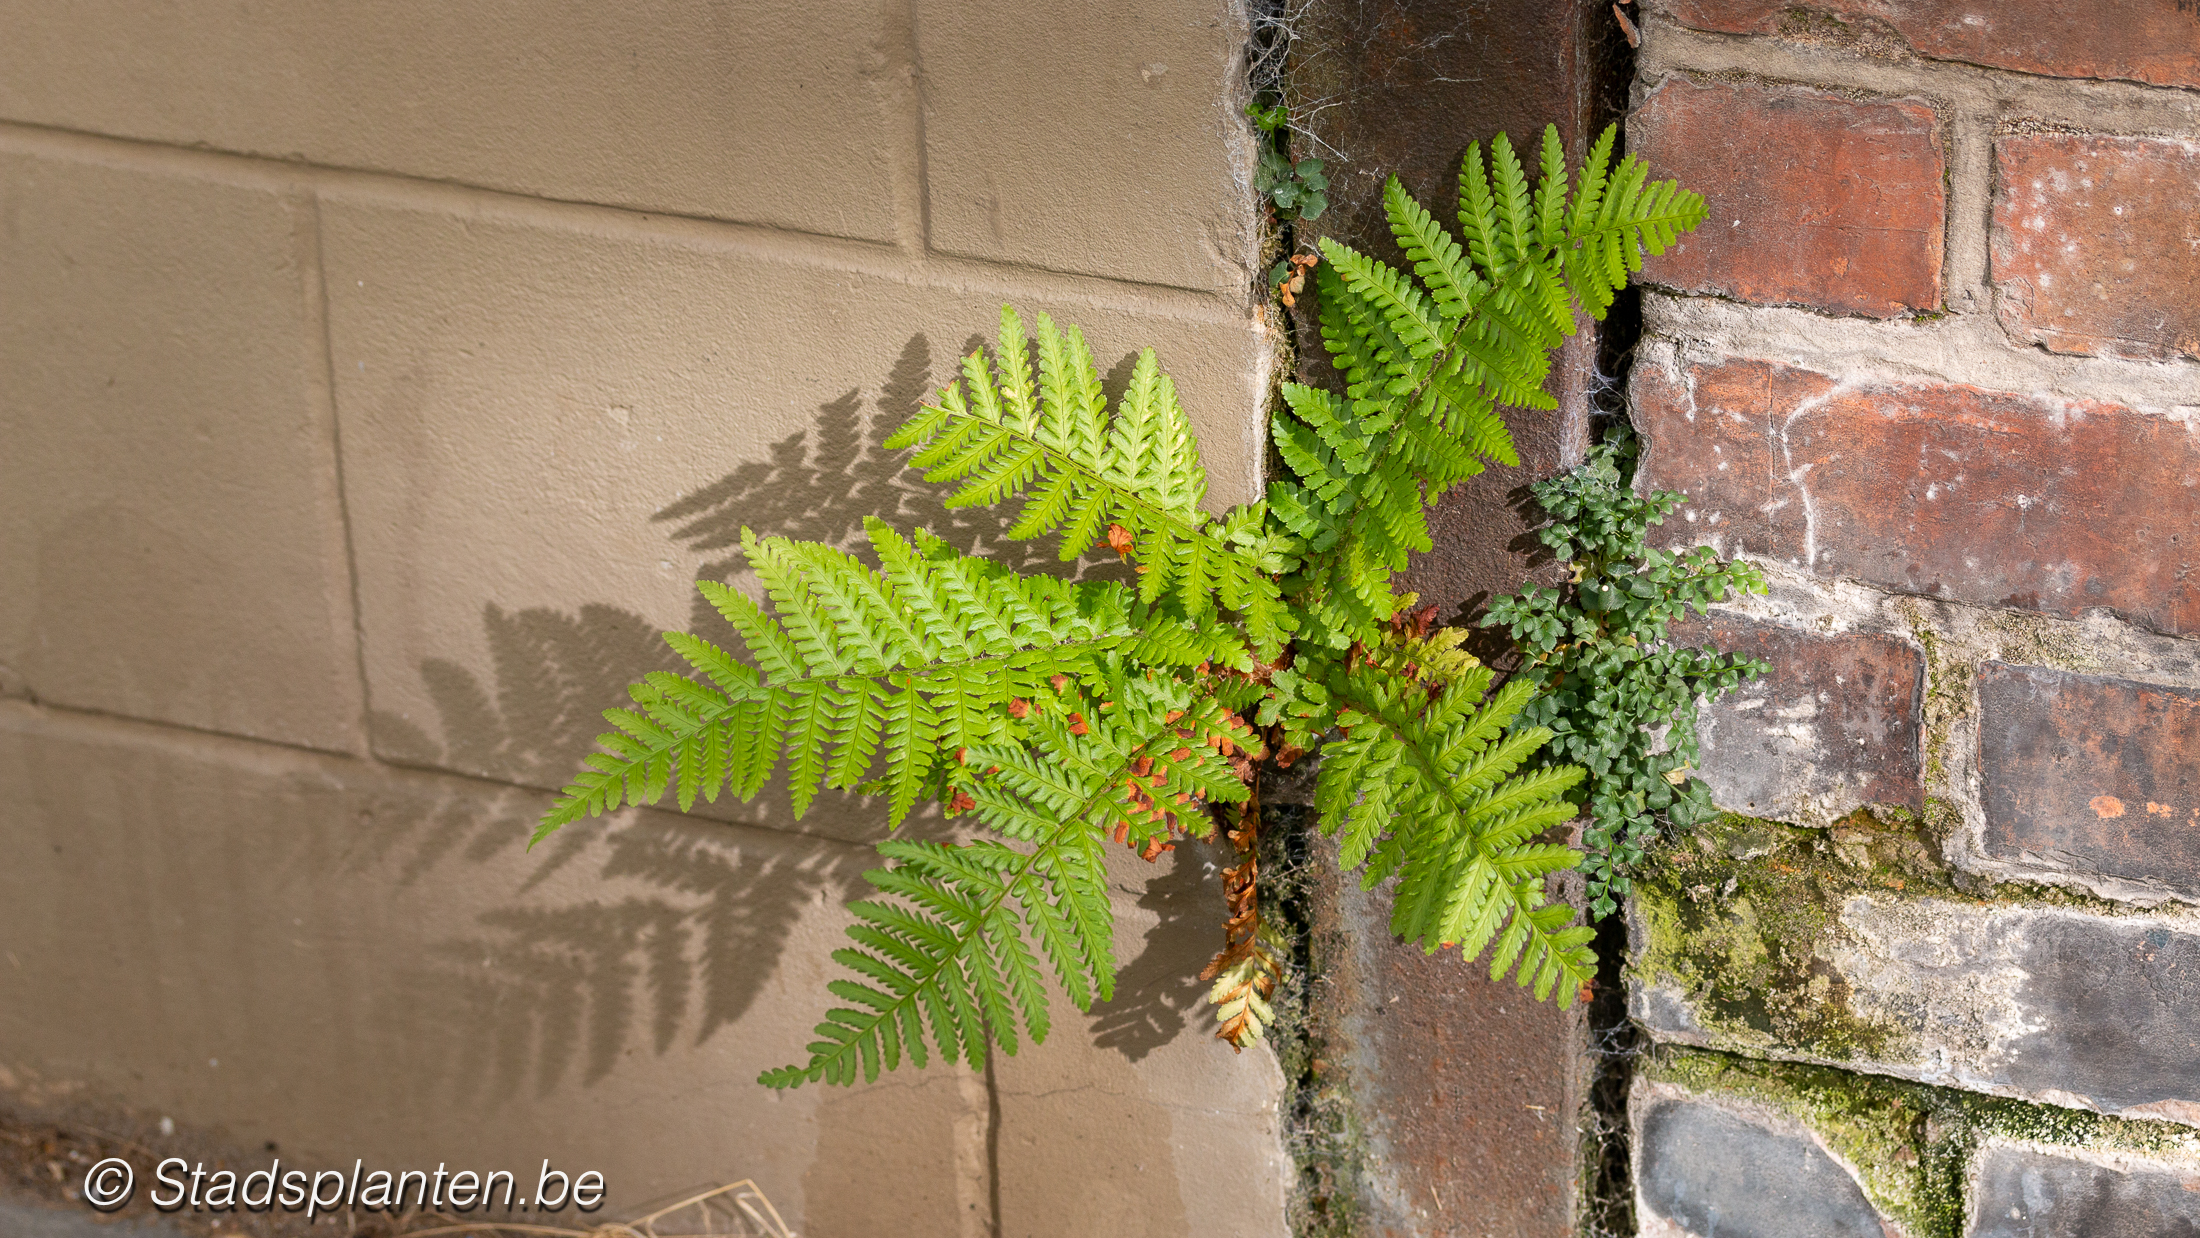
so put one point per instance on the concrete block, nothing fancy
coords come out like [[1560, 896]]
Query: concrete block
[[1814, 199], [2093, 248], [550, 433], [2144, 40], [33, 1221], [2032, 502], [776, 113], [1107, 140], [352, 961], [1833, 728], [1712, 1167], [1134, 1119], [2022, 1192], [2092, 773], [171, 545]]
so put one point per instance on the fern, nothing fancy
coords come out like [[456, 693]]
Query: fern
[[1130, 478], [948, 954], [1429, 357], [921, 656], [1063, 718]]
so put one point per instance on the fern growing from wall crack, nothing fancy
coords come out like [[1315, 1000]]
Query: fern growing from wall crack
[[1066, 718]]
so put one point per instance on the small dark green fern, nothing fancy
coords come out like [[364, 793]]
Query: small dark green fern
[[1066, 717]]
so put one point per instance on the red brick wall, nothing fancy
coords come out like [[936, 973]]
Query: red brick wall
[[1934, 361]]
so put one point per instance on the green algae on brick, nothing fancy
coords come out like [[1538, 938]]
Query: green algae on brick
[[1741, 925]]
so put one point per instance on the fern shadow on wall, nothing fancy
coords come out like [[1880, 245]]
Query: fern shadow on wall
[[1159, 992], [541, 994]]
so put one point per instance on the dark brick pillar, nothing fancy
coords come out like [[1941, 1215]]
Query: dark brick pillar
[[1469, 1094]]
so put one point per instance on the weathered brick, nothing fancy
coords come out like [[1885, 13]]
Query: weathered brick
[[1949, 491], [1833, 727], [2096, 774], [2095, 245], [1709, 1170], [2156, 41], [2021, 1192], [1447, 1072], [1814, 199], [2048, 1004]]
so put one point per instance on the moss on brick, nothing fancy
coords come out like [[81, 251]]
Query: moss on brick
[[1741, 920], [1877, 1125], [1910, 1144]]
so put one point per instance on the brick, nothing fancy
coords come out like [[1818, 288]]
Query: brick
[[1467, 1093], [1445, 1070], [2095, 249], [1367, 78], [549, 434], [1704, 1169], [1814, 199], [778, 113], [2020, 1192], [1091, 138], [381, 971], [2047, 1004], [2092, 774], [171, 545], [1834, 726], [2153, 41], [1954, 492]]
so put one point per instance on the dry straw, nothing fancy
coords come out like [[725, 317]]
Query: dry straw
[[741, 1204]]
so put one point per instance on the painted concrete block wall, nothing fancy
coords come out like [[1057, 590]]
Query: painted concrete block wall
[[1931, 362], [373, 384]]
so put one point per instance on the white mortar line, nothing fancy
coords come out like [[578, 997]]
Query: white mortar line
[[276, 758], [1965, 270], [1963, 347], [2103, 106]]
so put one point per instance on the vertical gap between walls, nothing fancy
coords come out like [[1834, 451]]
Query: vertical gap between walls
[[1319, 1137], [1606, 1203]]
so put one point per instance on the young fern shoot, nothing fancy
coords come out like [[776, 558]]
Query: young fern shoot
[[1067, 717]]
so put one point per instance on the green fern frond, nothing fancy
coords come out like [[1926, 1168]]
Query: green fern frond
[[1423, 785], [918, 657], [1129, 478], [1429, 357], [954, 953], [1062, 718]]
